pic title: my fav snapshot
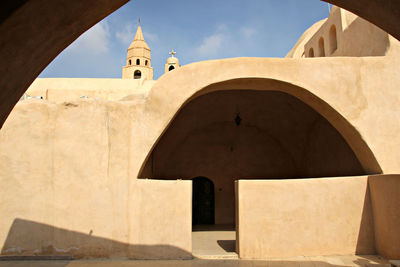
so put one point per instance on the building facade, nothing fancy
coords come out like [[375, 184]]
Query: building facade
[[299, 153]]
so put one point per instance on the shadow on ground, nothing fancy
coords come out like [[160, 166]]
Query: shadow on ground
[[29, 238]]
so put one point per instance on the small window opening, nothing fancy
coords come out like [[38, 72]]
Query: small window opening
[[238, 119], [137, 74], [146, 62], [311, 52], [332, 39], [130, 62], [321, 46], [171, 68], [137, 61]]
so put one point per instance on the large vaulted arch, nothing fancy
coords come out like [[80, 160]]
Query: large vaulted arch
[[256, 129]]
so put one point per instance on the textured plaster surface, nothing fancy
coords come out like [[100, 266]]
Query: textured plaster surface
[[304, 217], [77, 161], [385, 194], [321, 261]]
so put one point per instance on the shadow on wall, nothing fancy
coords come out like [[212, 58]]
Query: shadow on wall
[[366, 236], [27, 238], [365, 33]]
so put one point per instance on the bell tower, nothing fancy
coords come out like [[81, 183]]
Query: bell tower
[[172, 62], [138, 60]]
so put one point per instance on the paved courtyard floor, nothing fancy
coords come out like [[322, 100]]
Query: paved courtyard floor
[[320, 261], [214, 241], [214, 247]]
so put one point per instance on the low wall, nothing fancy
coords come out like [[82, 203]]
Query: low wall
[[162, 220], [385, 195], [285, 218], [59, 90]]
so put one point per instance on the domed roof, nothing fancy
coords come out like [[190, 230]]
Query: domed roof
[[172, 60]]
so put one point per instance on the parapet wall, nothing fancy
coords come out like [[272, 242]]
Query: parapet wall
[[329, 216], [59, 90], [285, 218]]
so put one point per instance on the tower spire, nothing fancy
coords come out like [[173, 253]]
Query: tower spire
[[138, 60], [139, 34]]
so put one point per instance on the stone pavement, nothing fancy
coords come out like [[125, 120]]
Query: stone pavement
[[214, 241], [320, 261]]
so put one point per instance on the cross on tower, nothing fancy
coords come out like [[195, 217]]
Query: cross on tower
[[172, 53]]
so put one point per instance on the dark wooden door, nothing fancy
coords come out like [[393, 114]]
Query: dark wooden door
[[203, 201]]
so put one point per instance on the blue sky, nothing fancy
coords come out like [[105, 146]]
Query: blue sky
[[196, 30]]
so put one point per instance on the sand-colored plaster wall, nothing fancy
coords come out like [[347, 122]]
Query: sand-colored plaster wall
[[65, 176], [385, 195], [355, 37], [162, 219], [284, 218], [298, 49], [76, 161]]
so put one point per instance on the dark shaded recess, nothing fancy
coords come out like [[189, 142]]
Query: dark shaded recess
[[250, 134], [203, 201]]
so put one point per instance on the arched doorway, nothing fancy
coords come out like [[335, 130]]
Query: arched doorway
[[203, 201]]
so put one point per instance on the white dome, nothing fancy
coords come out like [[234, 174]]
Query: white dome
[[173, 60]]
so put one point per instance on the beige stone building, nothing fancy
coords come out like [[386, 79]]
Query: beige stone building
[[298, 154]]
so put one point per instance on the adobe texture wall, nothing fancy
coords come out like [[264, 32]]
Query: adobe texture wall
[[385, 195], [59, 90], [343, 34], [304, 217]]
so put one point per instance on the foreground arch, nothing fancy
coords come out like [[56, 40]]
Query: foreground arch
[[34, 32]]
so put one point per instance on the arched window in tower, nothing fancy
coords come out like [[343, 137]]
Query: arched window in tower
[[321, 46], [130, 62], [311, 52], [137, 61], [171, 68], [332, 39], [137, 74], [146, 62]]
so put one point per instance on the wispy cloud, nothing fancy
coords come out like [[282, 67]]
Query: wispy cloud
[[125, 36], [211, 45], [150, 36], [248, 32], [225, 41], [94, 41]]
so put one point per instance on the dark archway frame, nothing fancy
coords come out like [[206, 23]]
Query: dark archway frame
[[34, 32]]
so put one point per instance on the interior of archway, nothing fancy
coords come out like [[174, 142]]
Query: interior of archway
[[248, 134]]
